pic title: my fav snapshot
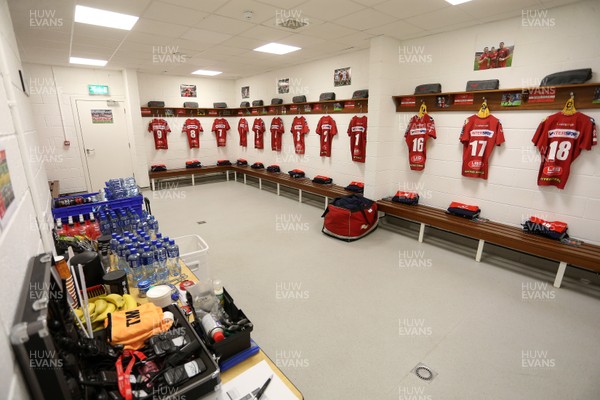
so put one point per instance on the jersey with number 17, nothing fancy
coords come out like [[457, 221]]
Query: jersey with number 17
[[560, 139], [479, 136]]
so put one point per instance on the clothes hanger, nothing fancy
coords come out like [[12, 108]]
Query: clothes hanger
[[484, 111], [422, 109], [569, 108]]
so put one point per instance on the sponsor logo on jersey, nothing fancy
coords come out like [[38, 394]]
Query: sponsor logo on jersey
[[418, 131], [326, 126], [563, 133], [482, 133], [475, 164], [358, 129], [298, 127], [416, 158], [220, 126], [552, 170]]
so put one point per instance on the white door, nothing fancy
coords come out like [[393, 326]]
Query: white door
[[105, 141]]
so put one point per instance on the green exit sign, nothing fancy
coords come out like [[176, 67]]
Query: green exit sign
[[98, 89]]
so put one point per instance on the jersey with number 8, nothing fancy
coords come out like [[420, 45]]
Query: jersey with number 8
[[479, 135], [560, 139]]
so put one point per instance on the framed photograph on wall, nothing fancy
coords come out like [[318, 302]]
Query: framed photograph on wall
[[7, 195], [283, 86], [342, 77], [245, 92], [187, 90], [493, 56]]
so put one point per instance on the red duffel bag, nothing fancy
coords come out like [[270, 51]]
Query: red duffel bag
[[350, 218]]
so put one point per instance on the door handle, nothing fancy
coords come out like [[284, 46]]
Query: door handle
[[89, 151]]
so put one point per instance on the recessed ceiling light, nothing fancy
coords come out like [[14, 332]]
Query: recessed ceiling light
[[206, 72], [87, 61], [109, 19], [456, 2], [277, 48]]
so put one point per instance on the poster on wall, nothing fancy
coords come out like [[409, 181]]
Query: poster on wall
[[492, 56], [283, 86], [342, 77], [7, 195], [102, 117], [245, 92], [187, 90]]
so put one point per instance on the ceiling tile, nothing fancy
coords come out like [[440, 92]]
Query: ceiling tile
[[146, 25], [487, 8], [147, 38], [265, 34], [369, 3], [260, 12], [403, 9], [242, 42], [92, 31], [328, 30], [224, 24], [126, 7], [284, 4], [201, 5], [204, 36], [166, 12], [366, 19], [436, 20], [399, 30], [333, 10]]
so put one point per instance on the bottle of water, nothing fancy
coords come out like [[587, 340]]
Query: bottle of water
[[114, 222], [173, 259], [148, 265], [135, 267], [114, 243], [162, 271], [151, 227]]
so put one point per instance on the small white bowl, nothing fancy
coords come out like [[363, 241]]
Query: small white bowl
[[160, 295]]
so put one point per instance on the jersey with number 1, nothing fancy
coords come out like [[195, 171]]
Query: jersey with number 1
[[258, 127], [560, 139], [276, 131], [327, 129], [243, 131], [419, 129], [220, 128], [299, 129], [479, 136], [357, 130], [192, 128], [159, 128]]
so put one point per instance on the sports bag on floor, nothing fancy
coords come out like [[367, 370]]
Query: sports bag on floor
[[350, 218]]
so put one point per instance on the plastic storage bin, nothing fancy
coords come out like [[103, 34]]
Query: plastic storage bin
[[193, 251], [135, 203]]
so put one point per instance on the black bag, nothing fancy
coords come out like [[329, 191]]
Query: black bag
[[190, 104], [490, 84], [327, 96], [273, 168], [429, 88], [244, 104], [296, 173], [156, 104], [222, 163], [158, 168], [241, 162], [356, 187], [193, 164], [299, 99], [219, 105], [276, 101], [257, 165], [361, 94], [572, 77], [257, 103]]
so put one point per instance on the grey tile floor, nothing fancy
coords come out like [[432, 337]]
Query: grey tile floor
[[351, 320]]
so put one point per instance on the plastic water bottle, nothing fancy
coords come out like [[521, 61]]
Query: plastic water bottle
[[135, 267], [162, 271], [114, 242], [114, 222], [148, 265], [151, 227], [173, 258]]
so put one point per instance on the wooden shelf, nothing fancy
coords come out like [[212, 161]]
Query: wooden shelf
[[360, 106], [583, 93]]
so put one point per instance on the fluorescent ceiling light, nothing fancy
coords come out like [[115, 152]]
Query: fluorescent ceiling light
[[277, 48], [109, 19], [456, 2], [87, 61], [206, 72]]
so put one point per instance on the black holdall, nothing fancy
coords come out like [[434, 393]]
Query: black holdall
[[190, 104], [489, 84], [428, 88], [244, 104], [257, 103], [156, 103], [158, 168], [193, 164], [257, 165], [572, 77], [222, 163], [323, 180], [220, 105], [273, 168], [361, 94], [296, 173], [241, 162], [327, 96], [276, 101], [299, 99]]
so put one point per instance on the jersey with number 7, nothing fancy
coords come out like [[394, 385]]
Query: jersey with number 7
[[479, 136], [560, 139]]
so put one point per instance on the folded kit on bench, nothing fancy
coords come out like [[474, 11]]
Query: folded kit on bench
[[464, 210]]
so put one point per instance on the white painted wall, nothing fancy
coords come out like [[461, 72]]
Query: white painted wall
[[511, 192], [21, 238]]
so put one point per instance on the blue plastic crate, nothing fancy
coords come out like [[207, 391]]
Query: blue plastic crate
[[135, 203]]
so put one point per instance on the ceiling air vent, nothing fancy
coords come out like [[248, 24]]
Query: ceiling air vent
[[293, 23]]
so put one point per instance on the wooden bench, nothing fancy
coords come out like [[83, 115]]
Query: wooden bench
[[302, 184], [586, 256], [180, 172]]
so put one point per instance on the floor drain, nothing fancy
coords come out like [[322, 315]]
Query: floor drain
[[424, 373], [201, 222]]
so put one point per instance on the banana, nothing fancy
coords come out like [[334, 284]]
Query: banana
[[101, 305], [109, 309], [130, 302], [91, 308], [115, 299], [79, 313]]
